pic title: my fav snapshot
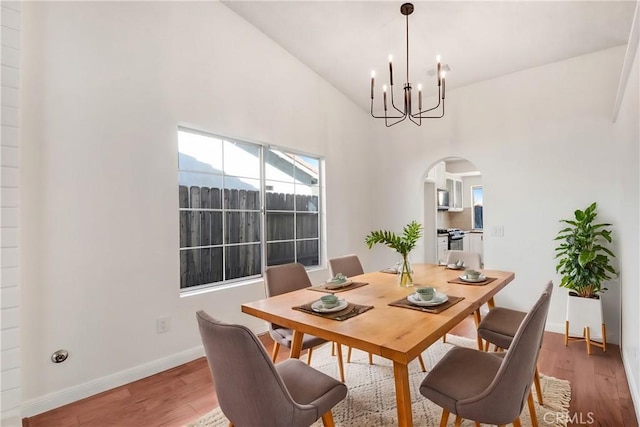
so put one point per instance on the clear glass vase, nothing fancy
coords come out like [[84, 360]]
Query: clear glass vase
[[405, 272]]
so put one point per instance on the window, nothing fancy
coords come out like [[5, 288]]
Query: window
[[476, 203], [225, 186]]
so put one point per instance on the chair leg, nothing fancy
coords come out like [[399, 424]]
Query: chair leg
[[340, 366], [458, 421], [536, 381], [516, 422], [274, 353], [444, 338], [486, 346], [421, 363], [445, 418], [476, 424], [230, 424], [349, 354], [309, 356], [327, 419], [532, 410], [370, 359], [333, 348]]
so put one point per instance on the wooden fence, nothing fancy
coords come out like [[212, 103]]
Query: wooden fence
[[203, 226]]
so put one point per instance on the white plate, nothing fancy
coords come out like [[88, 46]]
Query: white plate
[[454, 267], [331, 285], [480, 278], [438, 299], [320, 308]]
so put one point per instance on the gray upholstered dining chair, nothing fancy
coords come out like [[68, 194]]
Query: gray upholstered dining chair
[[350, 266], [470, 259], [280, 279], [485, 387], [253, 391], [498, 328]]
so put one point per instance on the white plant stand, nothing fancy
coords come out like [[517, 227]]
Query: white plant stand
[[584, 322]]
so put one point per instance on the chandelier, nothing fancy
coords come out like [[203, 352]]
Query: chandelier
[[398, 115]]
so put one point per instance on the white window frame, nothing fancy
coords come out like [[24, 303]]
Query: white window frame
[[263, 242]]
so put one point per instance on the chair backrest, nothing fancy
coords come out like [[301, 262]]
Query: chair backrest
[[505, 397], [249, 389], [471, 259], [348, 265], [280, 279]]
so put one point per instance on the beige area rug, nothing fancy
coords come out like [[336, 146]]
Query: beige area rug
[[371, 398]]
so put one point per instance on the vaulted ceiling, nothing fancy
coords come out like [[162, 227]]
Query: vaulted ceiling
[[343, 41]]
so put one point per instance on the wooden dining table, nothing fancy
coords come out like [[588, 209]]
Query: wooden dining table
[[396, 333]]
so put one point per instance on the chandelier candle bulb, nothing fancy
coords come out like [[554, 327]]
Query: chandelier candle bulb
[[384, 96], [373, 76]]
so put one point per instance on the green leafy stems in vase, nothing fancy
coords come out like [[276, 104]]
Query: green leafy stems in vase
[[403, 244]]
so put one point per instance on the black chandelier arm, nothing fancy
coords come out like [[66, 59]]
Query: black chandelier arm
[[386, 122], [419, 122], [385, 116], [419, 113], [434, 117], [394, 105]]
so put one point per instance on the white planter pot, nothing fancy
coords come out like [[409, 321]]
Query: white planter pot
[[585, 313]]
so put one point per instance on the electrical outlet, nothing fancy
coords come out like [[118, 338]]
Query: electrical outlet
[[163, 324]]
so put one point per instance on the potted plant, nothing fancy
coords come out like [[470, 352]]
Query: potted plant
[[584, 263], [402, 244]]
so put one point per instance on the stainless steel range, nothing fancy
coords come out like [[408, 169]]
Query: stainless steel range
[[456, 237]]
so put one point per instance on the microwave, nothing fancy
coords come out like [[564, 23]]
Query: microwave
[[443, 200]]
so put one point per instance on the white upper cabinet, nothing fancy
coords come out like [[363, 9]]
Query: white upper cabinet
[[438, 174], [454, 186]]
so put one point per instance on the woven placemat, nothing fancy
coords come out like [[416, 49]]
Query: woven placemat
[[350, 311], [462, 282], [323, 287], [404, 303]]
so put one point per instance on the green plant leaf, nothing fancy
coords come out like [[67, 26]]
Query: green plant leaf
[[583, 260], [404, 244]]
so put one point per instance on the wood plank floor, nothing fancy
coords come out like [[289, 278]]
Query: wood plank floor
[[600, 394]]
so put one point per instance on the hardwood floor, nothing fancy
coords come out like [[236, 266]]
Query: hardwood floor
[[600, 394]]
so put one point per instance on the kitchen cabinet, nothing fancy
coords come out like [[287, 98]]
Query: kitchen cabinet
[[443, 248], [476, 244], [454, 186], [438, 175]]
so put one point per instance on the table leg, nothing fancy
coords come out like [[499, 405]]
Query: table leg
[[477, 318], [296, 345], [403, 394]]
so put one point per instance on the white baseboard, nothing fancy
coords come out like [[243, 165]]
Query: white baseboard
[[633, 387], [11, 418], [72, 394]]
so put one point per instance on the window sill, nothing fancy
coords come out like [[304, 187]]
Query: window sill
[[227, 286]]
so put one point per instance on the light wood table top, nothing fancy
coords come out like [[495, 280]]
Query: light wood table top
[[396, 333]]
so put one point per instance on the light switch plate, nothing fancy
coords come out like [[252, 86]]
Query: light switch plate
[[497, 231]]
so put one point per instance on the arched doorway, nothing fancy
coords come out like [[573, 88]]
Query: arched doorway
[[453, 209]]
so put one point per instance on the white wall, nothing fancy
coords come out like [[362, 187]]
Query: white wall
[[10, 376], [545, 144], [626, 132], [105, 87]]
